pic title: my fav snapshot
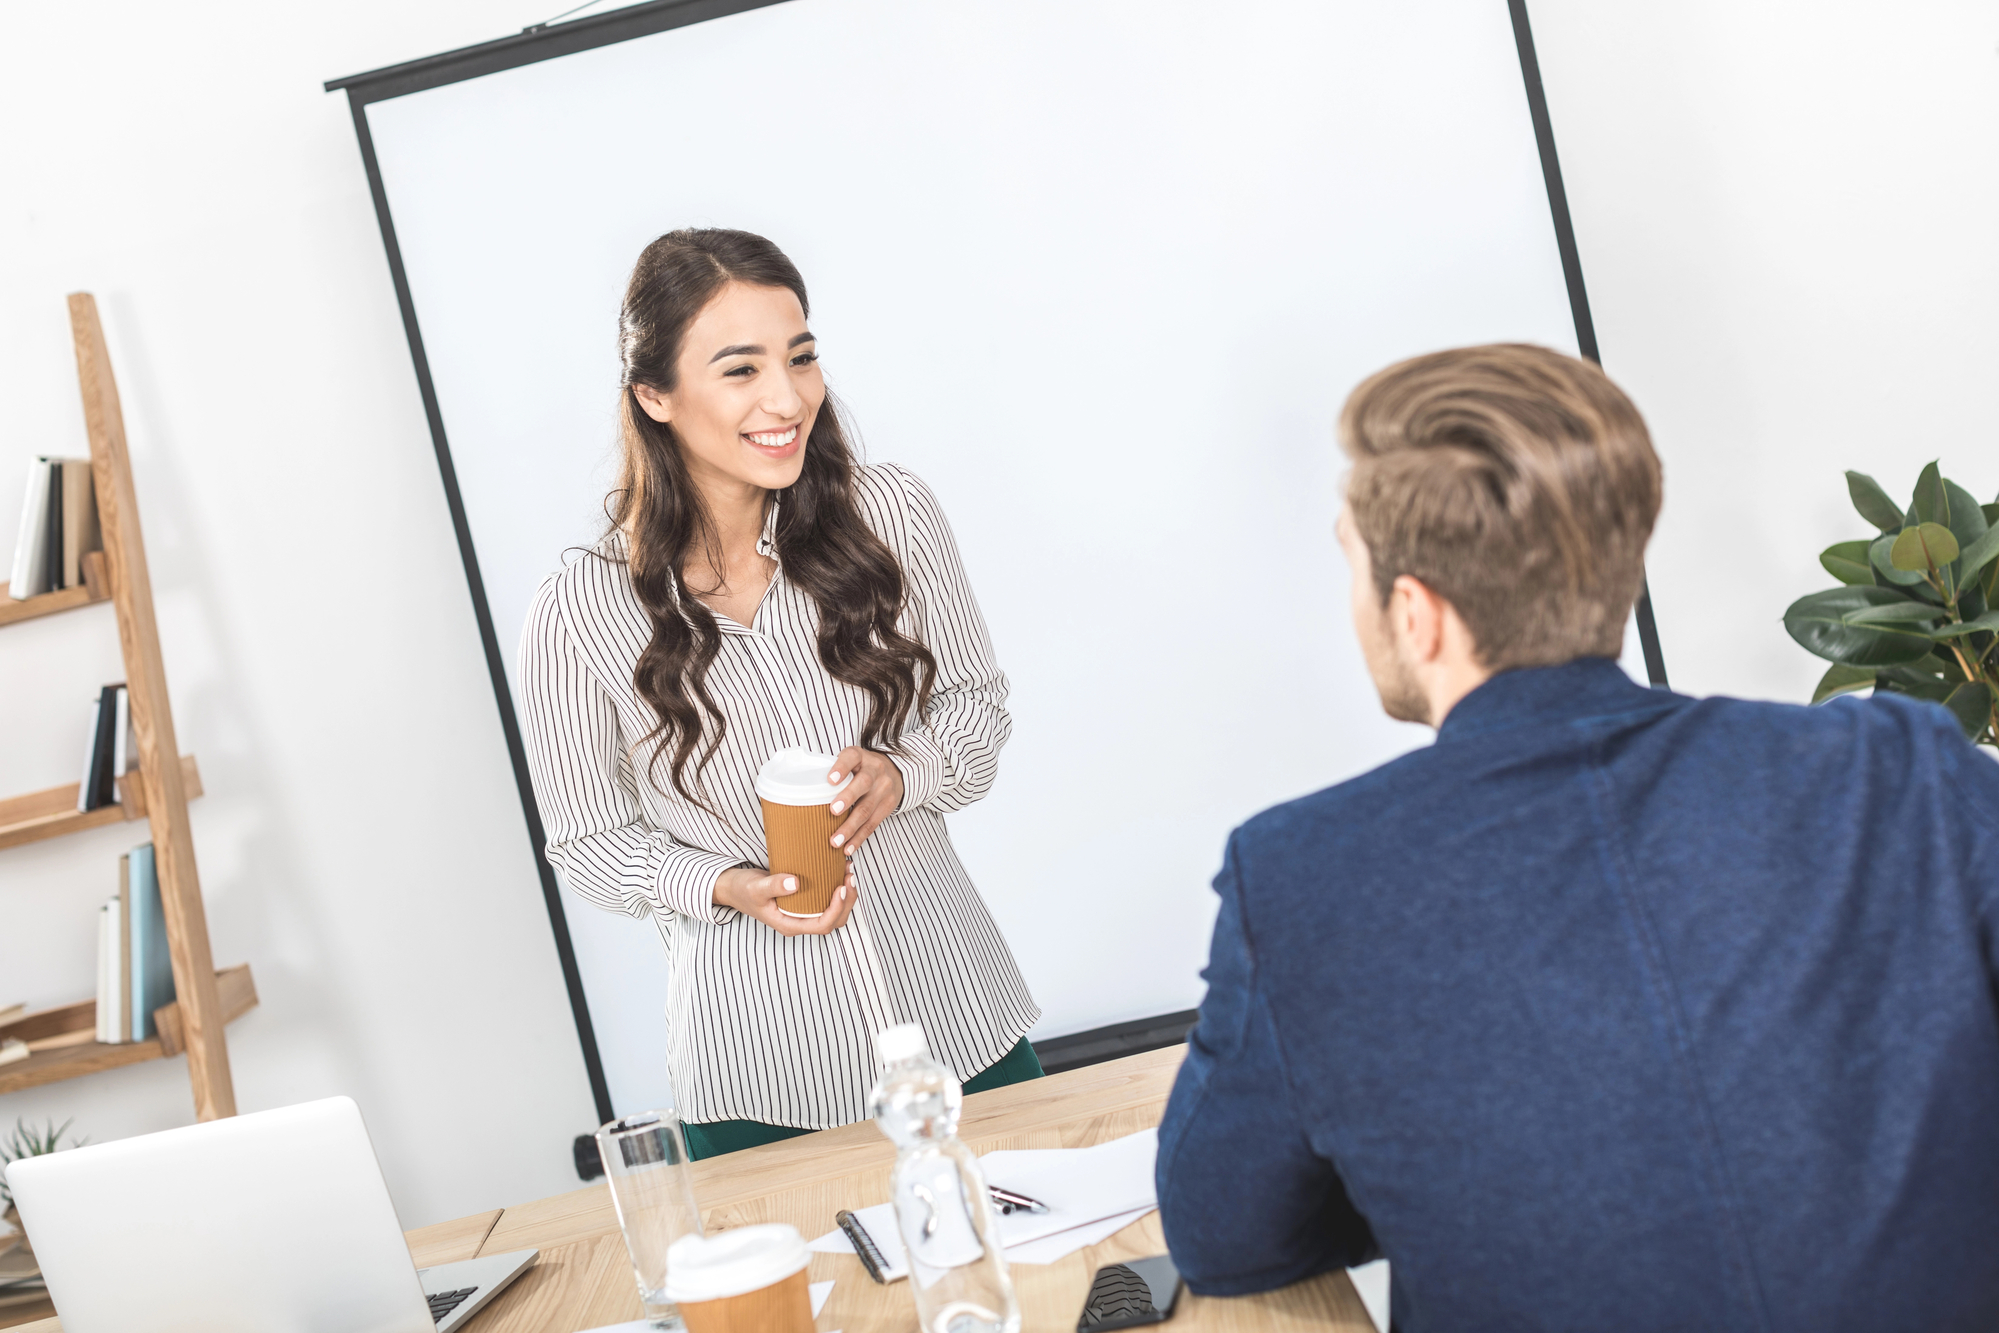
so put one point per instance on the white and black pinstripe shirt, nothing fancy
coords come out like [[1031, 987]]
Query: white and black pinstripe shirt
[[763, 1026]]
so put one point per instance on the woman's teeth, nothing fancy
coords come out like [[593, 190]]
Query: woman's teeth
[[773, 439]]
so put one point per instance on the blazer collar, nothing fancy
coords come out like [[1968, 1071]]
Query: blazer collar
[[1588, 687]]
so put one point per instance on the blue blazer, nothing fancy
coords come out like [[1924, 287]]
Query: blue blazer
[[1612, 1010]]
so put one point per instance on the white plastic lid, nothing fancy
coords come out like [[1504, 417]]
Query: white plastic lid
[[901, 1042], [729, 1263], [797, 776]]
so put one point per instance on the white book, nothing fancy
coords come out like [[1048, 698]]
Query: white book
[[105, 940], [123, 747], [30, 573], [116, 977]]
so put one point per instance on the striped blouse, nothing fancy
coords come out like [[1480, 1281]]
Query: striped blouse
[[762, 1026]]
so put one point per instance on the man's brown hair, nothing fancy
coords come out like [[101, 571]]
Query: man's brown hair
[[1516, 483]]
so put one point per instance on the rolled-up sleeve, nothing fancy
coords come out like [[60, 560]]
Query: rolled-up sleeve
[[950, 760], [598, 837]]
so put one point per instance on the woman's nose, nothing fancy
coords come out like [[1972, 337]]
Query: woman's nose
[[783, 400]]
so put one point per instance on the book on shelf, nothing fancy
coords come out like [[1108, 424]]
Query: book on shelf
[[135, 973], [111, 941], [107, 756], [151, 960], [59, 526]]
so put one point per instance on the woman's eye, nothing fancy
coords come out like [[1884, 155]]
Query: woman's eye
[[740, 372], [804, 358]]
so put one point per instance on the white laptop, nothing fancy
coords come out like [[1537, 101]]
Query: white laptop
[[276, 1222]]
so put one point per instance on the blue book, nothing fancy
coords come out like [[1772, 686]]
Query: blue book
[[152, 982]]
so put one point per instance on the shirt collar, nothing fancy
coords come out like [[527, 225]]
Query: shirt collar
[[1587, 687], [767, 544]]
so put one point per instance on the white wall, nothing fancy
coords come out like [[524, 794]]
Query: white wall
[[1788, 212], [361, 844], [1786, 215]]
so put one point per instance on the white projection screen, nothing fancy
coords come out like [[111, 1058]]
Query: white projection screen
[[1101, 272]]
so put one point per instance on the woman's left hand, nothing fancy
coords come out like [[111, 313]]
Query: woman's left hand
[[873, 797]]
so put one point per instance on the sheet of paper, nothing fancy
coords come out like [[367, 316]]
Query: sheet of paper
[[1370, 1282], [820, 1291], [1064, 1243], [1083, 1187]]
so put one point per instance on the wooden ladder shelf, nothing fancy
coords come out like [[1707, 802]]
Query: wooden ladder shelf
[[157, 792]]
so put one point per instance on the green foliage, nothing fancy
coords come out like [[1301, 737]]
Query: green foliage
[[1915, 614], [1848, 562], [25, 1142]]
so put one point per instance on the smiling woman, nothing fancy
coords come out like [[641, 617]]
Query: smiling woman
[[759, 590]]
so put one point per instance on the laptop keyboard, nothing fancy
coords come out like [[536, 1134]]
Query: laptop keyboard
[[444, 1302]]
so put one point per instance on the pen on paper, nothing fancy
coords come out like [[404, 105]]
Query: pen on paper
[[1010, 1203]]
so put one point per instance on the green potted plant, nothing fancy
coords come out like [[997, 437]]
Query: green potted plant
[[17, 1256], [1919, 610]]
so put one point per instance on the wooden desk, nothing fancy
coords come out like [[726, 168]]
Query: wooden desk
[[583, 1278]]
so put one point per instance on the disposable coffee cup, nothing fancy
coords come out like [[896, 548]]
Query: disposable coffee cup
[[799, 824], [749, 1280]]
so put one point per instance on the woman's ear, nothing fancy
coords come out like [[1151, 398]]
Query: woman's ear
[[654, 403]]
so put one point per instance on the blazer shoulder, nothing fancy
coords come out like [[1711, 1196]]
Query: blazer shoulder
[[1342, 810]]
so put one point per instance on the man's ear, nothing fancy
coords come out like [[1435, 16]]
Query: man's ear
[[653, 403], [1419, 615]]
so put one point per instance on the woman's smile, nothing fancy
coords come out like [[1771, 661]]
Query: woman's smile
[[774, 443]]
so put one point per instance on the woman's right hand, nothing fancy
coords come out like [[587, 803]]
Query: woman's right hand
[[756, 892]]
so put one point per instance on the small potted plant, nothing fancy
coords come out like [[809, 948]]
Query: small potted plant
[[1919, 610], [17, 1257]]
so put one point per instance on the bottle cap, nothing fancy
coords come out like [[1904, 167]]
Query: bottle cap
[[729, 1263], [797, 776], [901, 1042]]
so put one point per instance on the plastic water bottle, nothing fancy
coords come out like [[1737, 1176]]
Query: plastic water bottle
[[956, 1270]]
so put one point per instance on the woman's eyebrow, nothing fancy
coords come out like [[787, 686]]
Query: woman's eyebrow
[[756, 349]]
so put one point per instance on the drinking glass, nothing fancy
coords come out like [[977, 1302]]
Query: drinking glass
[[646, 1167]]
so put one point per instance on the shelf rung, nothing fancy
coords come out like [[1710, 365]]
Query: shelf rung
[[56, 1063], [53, 813], [96, 588]]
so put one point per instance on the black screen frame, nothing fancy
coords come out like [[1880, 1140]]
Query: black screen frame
[[550, 41]]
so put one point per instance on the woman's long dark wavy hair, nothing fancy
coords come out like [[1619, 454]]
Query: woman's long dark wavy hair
[[824, 545]]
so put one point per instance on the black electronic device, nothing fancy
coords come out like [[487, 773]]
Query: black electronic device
[[1131, 1294]]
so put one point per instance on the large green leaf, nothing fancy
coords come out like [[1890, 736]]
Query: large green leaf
[[1840, 680], [1967, 519], [1873, 502], [1971, 705], [1900, 612], [1985, 624], [1932, 502], [1877, 556], [1820, 626], [1847, 562], [1923, 546], [1991, 513], [1913, 681], [1973, 559]]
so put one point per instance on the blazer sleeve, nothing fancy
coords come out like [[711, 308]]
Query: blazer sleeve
[[950, 760], [598, 838], [1246, 1203]]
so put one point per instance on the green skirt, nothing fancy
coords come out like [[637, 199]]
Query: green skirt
[[721, 1136]]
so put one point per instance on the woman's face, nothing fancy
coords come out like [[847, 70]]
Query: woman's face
[[749, 389]]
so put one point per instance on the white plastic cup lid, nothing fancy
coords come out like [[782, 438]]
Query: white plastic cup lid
[[729, 1263], [902, 1042], [798, 777]]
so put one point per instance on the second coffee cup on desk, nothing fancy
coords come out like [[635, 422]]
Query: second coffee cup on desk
[[799, 824], [746, 1280]]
